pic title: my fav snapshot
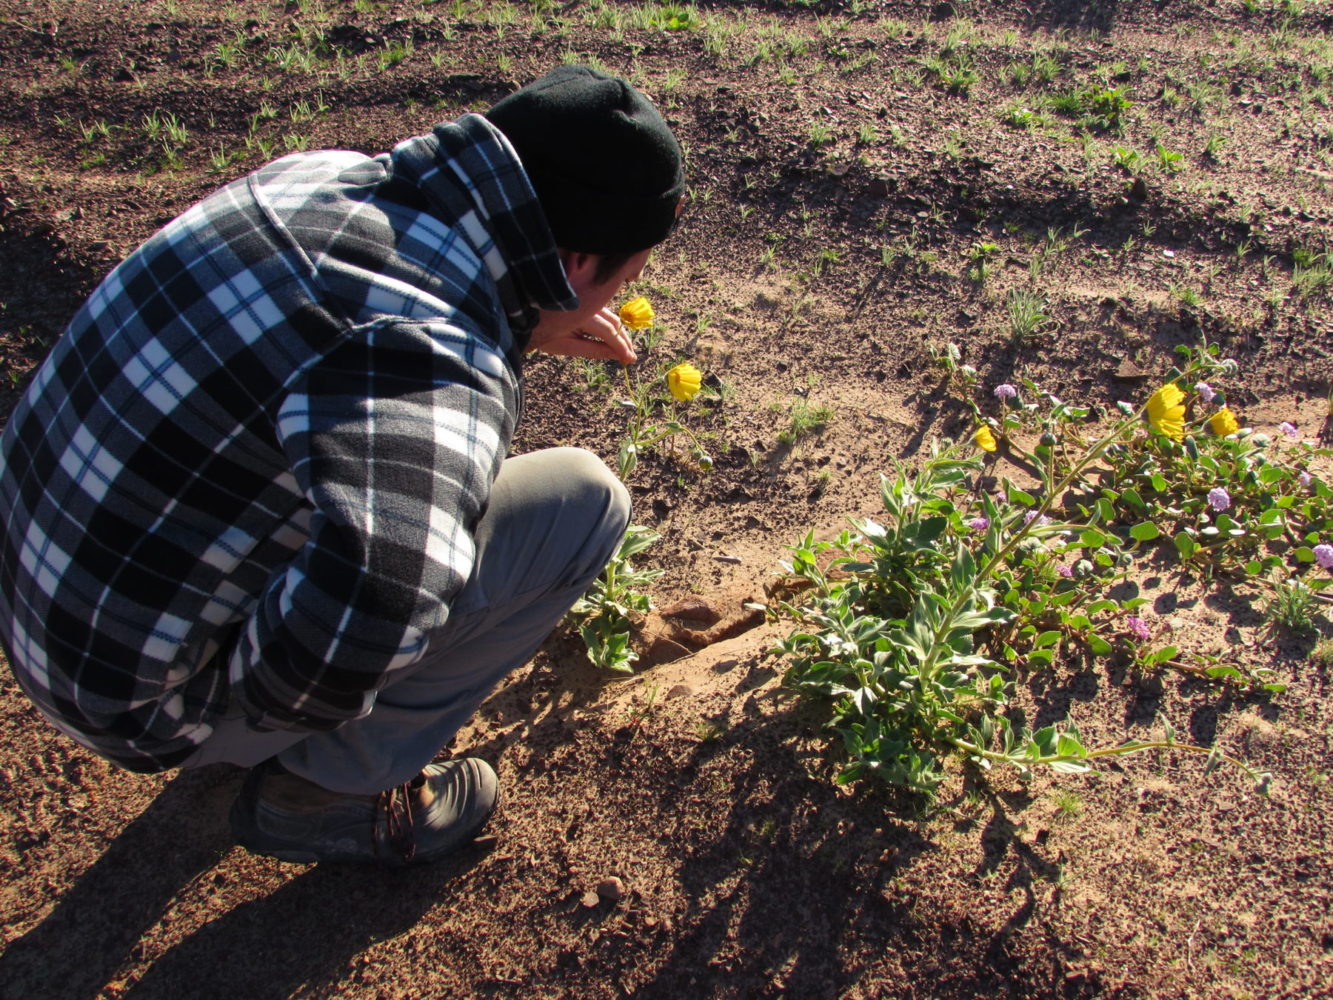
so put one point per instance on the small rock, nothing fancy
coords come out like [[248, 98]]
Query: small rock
[[590, 899], [610, 888], [680, 691], [1128, 371]]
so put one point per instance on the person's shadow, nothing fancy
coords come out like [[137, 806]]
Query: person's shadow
[[94, 928], [303, 933]]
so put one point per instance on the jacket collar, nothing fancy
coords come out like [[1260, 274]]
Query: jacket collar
[[473, 180]]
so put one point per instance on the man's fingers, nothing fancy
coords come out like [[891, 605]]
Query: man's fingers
[[605, 331]]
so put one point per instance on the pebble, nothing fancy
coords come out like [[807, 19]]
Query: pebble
[[610, 888]]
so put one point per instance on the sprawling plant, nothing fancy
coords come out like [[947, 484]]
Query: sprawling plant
[[910, 630]]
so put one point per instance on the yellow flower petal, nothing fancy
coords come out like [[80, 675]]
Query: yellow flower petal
[[985, 439], [1166, 411], [684, 381], [637, 314], [1224, 422]]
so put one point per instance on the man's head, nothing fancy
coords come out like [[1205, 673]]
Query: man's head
[[605, 166]]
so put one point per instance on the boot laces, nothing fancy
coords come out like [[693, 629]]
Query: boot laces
[[395, 836]]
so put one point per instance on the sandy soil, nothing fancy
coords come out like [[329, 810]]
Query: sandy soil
[[843, 165]]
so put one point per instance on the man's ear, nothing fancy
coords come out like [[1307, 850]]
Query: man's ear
[[580, 268]]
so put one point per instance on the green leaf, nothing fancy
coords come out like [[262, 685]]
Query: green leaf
[[1069, 746], [1185, 545], [1224, 672], [1046, 639], [925, 532], [1144, 531], [1069, 767], [1092, 539], [1021, 497], [1132, 499], [1098, 645], [1045, 741], [1159, 482]]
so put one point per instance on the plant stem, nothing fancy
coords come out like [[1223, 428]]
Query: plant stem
[[1135, 746]]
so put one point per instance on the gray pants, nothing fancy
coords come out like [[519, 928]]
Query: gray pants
[[554, 519]]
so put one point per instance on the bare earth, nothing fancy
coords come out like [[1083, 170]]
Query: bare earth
[[839, 180]]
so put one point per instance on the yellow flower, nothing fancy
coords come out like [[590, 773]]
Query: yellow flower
[[637, 314], [1166, 411], [1223, 422], [684, 381], [985, 439]]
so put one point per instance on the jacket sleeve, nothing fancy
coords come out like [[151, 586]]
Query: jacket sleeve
[[395, 439]]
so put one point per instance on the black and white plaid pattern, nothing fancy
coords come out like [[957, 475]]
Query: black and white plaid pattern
[[247, 476]]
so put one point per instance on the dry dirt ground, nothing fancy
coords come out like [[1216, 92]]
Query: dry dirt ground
[[846, 160]]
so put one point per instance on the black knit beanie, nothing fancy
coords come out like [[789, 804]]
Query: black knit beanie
[[604, 164]]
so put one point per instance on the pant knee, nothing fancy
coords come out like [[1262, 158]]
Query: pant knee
[[599, 492]]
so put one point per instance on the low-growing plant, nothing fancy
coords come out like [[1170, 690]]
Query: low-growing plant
[[606, 614], [804, 418], [1170, 160], [1018, 117], [819, 136], [953, 72], [1027, 313], [1127, 159], [1097, 108], [671, 17], [1312, 273], [910, 631], [980, 257], [1292, 606], [395, 52], [949, 357]]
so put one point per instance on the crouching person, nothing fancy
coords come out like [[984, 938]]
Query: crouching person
[[258, 502]]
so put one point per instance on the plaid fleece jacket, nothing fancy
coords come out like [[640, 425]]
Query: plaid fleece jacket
[[248, 473]]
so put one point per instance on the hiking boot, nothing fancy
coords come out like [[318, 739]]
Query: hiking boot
[[283, 816]]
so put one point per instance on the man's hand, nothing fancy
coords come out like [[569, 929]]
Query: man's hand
[[600, 336]]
